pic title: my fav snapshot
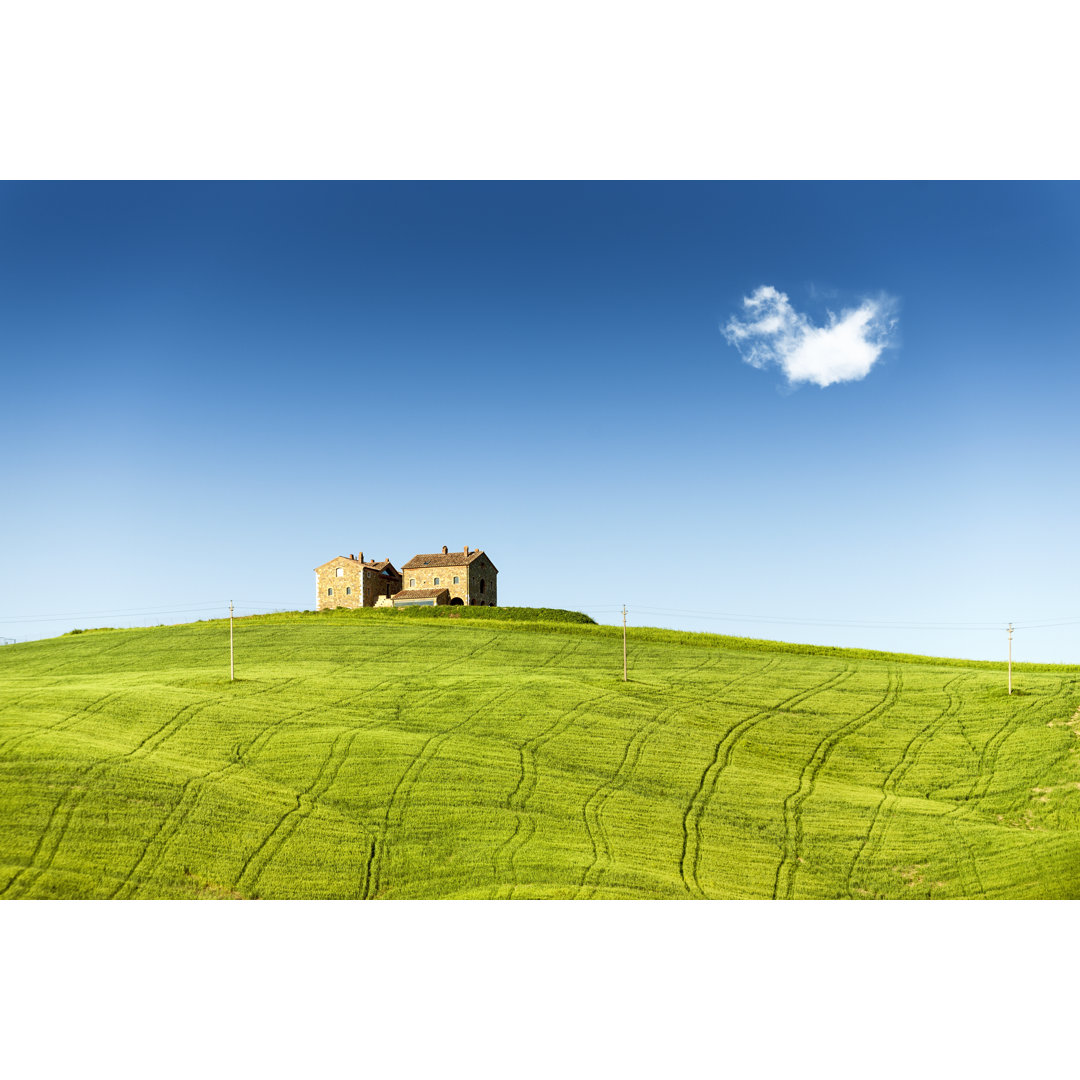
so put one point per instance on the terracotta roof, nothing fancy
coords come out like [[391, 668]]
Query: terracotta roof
[[453, 558], [419, 594], [371, 565], [385, 564]]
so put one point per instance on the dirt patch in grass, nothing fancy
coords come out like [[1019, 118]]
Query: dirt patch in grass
[[1073, 723], [210, 890], [912, 875]]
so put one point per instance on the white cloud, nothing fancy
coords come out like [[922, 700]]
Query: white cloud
[[845, 349]]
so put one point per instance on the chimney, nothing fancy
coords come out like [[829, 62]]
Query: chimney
[[361, 556], [444, 549], [353, 557], [466, 549]]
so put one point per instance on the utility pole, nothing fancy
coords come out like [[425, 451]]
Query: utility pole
[[624, 643], [232, 673], [1010, 657]]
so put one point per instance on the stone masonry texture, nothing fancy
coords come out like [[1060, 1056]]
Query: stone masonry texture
[[363, 584], [469, 572], [347, 582]]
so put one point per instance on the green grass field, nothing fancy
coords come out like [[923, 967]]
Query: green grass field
[[381, 755]]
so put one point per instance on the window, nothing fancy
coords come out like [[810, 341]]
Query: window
[[340, 571], [348, 591], [436, 581], [481, 584], [329, 592], [457, 581], [412, 583]]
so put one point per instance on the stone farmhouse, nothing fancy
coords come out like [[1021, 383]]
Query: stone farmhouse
[[468, 577], [348, 581], [455, 578]]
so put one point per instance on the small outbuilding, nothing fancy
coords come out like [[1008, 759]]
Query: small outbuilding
[[421, 598]]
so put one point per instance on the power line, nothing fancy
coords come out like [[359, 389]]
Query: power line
[[135, 613], [879, 624], [114, 613], [1042, 626], [253, 607], [778, 619]]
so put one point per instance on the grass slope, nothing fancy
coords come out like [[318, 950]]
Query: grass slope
[[388, 756]]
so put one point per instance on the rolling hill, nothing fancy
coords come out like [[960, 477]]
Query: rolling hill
[[399, 755]]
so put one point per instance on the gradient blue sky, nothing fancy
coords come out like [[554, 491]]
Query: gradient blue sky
[[209, 389]]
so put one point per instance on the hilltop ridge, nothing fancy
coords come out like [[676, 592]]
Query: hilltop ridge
[[565, 620]]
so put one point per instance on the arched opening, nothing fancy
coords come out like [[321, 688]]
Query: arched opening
[[457, 601]]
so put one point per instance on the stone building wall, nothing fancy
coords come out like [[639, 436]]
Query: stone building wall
[[375, 585], [346, 588], [483, 569], [425, 576]]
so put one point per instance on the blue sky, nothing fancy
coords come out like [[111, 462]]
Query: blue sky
[[209, 389]]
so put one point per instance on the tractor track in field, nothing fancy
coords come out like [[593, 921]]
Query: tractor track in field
[[454, 661], [504, 855], [967, 866], [193, 789], [373, 870], [66, 806], [709, 662], [962, 728], [68, 803], [393, 650], [560, 652], [32, 692], [59, 725], [403, 789], [690, 859], [80, 659], [365, 884], [879, 823], [592, 810], [713, 699], [991, 748], [367, 880], [257, 744], [970, 878], [306, 800], [784, 884]]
